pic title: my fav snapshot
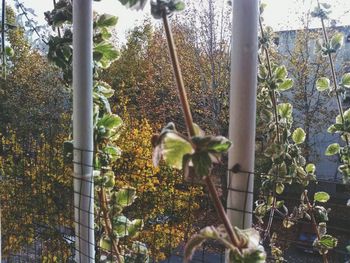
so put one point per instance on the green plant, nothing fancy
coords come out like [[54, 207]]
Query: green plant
[[318, 215], [286, 164], [111, 200], [200, 152], [327, 48]]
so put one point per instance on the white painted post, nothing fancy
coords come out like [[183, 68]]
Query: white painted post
[[244, 52], [83, 131]]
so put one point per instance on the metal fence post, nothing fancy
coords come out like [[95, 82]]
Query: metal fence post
[[244, 52], [83, 131]]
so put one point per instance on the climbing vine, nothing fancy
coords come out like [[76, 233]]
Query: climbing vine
[[328, 47], [287, 165]]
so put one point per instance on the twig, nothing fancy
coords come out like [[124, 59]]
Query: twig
[[108, 224], [314, 223], [274, 103], [178, 77], [190, 127], [334, 77]]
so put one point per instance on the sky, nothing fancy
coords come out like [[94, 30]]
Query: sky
[[279, 14]]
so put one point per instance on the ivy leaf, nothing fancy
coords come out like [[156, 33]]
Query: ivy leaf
[[106, 20], [345, 81], [180, 6], [112, 151], [328, 242], [134, 4], [281, 72], [310, 168], [337, 41], [219, 144], [105, 244], [332, 149], [202, 163], [298, 136], [279, 188], [9, 51], [107, 54], [322, 84], [321, 197], [120, 226], [110, 121], [285, 85], [135, 226], [285, 110], [103, 88], [125, 196], [174, 148]]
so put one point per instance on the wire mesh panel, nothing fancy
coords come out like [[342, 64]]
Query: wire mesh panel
[[37, 201]]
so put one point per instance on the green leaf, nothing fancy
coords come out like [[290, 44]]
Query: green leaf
[[103, 88], [298, 136], [310, 168], [112, 151], [337, 41], [263, 73], [321, 197], [285, 110], [125, 196], [105, 244], [173, 149], [120, 226], [179, 6], [281, 72], [285, 85], [106, 20], [104, 54], [219, 144], [322, 84], [345, 81], [135, 226], [279, 188], [134, 4], [328, 241], [110, 121], [201, 163], [332, 149], [9, 52], [110, 179]]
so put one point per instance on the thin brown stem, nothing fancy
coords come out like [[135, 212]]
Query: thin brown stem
[[178, 77], [274, 104], [314, 223], [334, 76], [190, 127], [272, 92], [108, 224], [221, 212]]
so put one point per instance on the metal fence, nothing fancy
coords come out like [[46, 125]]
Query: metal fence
[[37, 211]]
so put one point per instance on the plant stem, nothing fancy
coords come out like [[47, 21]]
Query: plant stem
[[274, 104], [178, 77], [314, 223], [108, 224], [334, 76], [221, 212], [190, 127]]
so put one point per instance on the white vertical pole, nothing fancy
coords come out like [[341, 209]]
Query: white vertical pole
[[244, 52], [83, 131]]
